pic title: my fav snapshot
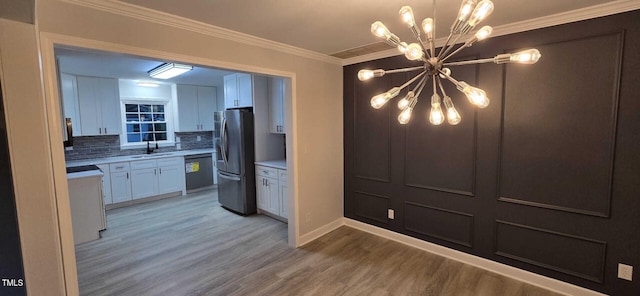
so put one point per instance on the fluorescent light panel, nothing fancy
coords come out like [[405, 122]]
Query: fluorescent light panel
[[169, 70], [147, 84]]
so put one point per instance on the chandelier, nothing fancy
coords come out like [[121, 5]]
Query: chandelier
[[435, 65]]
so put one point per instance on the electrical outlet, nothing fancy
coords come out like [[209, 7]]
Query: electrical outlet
[[199, 138], [625, 272], [307, 217], [391, 214], [68, 148]]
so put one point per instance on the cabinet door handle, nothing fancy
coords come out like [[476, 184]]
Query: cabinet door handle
[[155, 171], [100, 130], [160, 171], [127, 175], [105, 130]]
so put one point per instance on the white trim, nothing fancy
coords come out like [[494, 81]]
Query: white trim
[[318, 232], [493, 266], [581, 14], [150, 15]]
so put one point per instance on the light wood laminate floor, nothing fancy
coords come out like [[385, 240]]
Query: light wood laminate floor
[[191, 246]]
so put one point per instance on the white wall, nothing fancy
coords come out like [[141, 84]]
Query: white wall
[[314, 111], [31, 161]]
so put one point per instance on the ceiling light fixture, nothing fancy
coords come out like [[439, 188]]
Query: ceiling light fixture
[[147, 84], [435, 65], [169, 70]]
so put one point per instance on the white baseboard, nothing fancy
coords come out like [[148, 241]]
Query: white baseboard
[[496, 267], [313, 235]]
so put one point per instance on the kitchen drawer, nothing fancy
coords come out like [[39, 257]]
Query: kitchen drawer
[[282, 175], [119, 167], [163, 162], [144, 164], [266, 171]]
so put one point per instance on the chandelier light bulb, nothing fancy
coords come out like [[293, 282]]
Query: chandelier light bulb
[[405, 115], [427, 25], [463, 15], [404, 102], [453, 117], [529, 56], [414, 52], [436, 117], [407, 15], [482, 11], [475, 95], [483, 33], [445, 72], [368, 74], [378, 101], [380, 30]]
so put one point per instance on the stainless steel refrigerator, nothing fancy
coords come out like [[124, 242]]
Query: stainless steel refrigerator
[[236, 176]]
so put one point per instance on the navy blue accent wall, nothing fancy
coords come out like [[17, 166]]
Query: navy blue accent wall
[[546, 178]]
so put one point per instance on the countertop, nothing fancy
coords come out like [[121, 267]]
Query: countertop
[[84, 174], [278, 163], [138, 157]]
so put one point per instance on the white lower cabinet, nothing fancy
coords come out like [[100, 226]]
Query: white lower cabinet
[[120, 182], [154, 177], [170, 175], [144, 178], [271, 193], [126, 181]]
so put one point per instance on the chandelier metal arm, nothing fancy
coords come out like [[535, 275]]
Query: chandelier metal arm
[[422, 83], [412, 80], [445, 51], [463, 46], [444, 94], [403, 70], [448, 77], [445, 44], [471, 62]]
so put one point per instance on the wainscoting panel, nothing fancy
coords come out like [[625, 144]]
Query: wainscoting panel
[[449, 151], [558, 144], [451, 226], [372, 206], [560, 252], [372, 132]]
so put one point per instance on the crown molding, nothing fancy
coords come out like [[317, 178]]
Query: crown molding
[[146, 14], [586, 13]]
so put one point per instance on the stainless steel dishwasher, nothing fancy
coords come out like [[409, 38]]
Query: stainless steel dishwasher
[[198, 171]]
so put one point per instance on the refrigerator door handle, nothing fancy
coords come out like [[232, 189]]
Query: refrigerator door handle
[[223, 145], [228, 177]]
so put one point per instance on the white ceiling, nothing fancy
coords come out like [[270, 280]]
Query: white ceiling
[[326, 27], [112, 65], [332, 26]]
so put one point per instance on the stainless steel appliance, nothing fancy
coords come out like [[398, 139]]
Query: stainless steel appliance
[[198, 171], [236, 177]]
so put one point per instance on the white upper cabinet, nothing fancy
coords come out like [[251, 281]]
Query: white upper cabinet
[[276, 105], [238, 90], [99, 106], [69, 89], [196, 105]]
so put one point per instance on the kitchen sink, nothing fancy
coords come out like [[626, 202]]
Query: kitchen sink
[[151, 155]]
